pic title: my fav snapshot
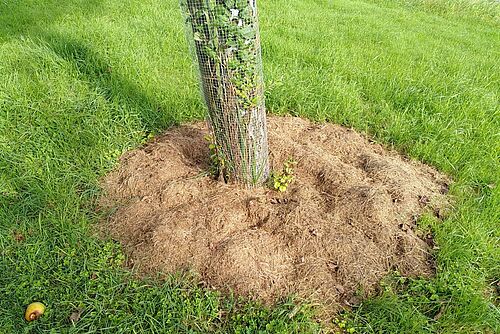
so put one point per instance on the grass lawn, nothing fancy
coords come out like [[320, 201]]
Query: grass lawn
[[81, 81]]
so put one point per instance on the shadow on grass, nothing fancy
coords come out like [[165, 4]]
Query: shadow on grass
[[29, 17], [33, 19], [114, 87]]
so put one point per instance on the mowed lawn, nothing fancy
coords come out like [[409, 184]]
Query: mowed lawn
[[82, 81]]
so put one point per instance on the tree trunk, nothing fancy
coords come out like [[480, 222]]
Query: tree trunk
[[226, 41]]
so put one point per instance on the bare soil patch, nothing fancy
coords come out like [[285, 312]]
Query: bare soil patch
[[348, 219]]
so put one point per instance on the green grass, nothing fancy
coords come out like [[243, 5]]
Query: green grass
[[83, 81]]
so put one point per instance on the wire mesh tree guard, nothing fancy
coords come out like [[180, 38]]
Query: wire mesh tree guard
[[225, 43]]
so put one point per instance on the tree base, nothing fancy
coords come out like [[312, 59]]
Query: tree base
[[347, 220]]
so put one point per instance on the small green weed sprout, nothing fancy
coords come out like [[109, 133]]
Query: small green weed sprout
[[344, 324], [281, 180], [217, 162], [146, 137]]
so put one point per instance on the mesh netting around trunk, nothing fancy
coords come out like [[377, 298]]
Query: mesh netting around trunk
[[224, 36]]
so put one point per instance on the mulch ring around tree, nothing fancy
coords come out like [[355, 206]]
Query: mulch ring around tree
[[347, 220]]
